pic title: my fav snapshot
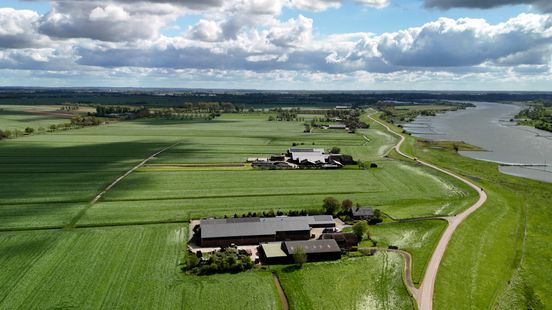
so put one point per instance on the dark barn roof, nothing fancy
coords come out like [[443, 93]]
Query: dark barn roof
[[255, 226], [312, 246]]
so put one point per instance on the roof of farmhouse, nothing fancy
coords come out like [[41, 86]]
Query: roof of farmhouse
[[363, 211], [255, 226], [313, 246], [312, 155]]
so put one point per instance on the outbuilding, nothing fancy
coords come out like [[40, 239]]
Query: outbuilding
[[363, 213]]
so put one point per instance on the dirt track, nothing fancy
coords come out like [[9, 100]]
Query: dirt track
[[424, 295]]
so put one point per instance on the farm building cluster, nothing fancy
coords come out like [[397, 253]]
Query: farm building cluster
[[276, 239], [296, 158]]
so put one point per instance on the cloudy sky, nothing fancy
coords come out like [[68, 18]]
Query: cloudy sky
[[278, 44]]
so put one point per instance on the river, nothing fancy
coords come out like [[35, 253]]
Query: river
[[488, 126]]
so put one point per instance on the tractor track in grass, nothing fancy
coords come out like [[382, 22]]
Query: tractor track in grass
[[119, 179], [281, 293], [424, 295]]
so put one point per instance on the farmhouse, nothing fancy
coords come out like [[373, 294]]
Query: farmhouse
[[296, 158], [362, 213], [308, 155], [337, 126], [282, 252], [255, 230]]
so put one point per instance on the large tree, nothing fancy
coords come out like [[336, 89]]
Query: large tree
[[331, 205], [360, 229]]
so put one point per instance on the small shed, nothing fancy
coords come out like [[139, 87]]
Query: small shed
[[363, 213], [272, 253]]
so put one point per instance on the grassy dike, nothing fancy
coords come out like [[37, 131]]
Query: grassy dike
[[499, 257]]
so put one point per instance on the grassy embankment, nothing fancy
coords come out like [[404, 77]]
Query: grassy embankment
[[498, 258]]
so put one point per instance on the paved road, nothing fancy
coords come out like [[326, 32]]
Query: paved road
[[424, 295]]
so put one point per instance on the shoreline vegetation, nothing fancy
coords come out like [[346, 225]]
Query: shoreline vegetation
[[538, 115]]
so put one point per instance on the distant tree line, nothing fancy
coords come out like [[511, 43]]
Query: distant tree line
[[286, 115]]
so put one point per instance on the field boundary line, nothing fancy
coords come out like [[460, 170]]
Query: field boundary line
[[119, 179], [427, 286]]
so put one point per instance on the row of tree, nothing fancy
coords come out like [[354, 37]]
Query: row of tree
[[76, 122]]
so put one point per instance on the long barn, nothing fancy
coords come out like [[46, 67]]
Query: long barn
[[255, 230]]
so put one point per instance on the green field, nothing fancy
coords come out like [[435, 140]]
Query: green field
[[124, 268], [48, 181], [499, 257], [353, 283], [20, 117], [417, 238]]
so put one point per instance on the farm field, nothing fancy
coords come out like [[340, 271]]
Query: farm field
[[124, 267], [395, 188], [417, 238], [353, 283], [48, 181], [500, 250]]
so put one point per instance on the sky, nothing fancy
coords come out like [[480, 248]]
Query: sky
[[502, 45]]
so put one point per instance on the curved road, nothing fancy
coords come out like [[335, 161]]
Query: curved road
[[424, 295]]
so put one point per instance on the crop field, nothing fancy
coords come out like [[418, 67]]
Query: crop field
[[173, 195], [20, 117], [417, 238], [131, 267], [48, 181], [354, 283]]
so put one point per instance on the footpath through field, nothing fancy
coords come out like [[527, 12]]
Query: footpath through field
[[424, 295]]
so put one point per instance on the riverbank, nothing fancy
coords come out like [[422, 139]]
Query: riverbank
[[527, 151]]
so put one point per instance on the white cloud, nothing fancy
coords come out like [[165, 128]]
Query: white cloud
[[18, 29], [248, 37]]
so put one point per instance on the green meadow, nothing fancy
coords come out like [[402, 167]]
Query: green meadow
[[352, 283], [418, 238], [47, 182], [125, 268]]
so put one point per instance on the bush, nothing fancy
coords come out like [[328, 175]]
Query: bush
[[335, 150], [373, 165], [227, 260]]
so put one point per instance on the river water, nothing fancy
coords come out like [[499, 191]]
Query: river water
[[488, 126]]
